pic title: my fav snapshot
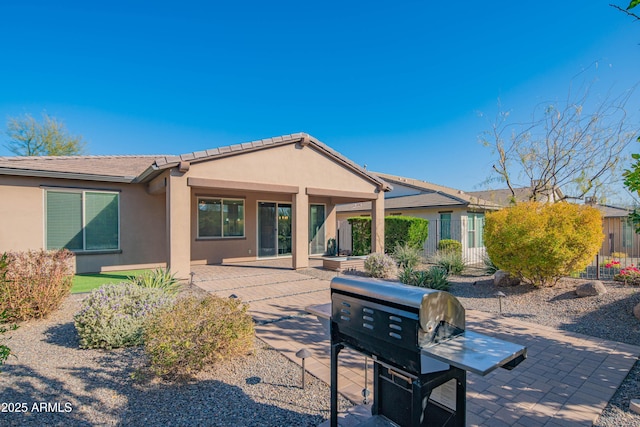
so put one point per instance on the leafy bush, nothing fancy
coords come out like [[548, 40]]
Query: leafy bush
[[449, 245], [434, 278], [540, 243], [35, 283], [114, 315], [159, 278], [451, 261], [398, 230], [360, 235], [406, 256], [405, 230], [381, 266], [629, 275], [197, 332]]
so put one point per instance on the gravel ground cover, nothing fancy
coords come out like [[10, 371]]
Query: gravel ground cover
[[55, 383]]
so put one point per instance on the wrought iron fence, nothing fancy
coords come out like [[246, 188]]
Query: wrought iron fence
[[469, 235], [620, 249]]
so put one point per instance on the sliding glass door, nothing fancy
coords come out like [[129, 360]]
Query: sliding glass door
[[274, 229]]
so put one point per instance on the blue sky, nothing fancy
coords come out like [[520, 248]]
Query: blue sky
[[404, 87]]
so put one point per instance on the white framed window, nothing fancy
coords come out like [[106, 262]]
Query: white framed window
[[220, 218], [475, 228], [82, 220]]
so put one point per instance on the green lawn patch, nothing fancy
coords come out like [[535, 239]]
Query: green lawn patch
[[90, 281]]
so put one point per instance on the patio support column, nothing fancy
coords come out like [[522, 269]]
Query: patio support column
[[377, 224], [300, 238], [178, 199]]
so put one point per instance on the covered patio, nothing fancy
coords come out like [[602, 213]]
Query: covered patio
[[265, 199]]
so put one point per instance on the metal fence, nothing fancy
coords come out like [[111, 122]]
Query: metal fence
[[470, 236], [620, 249]]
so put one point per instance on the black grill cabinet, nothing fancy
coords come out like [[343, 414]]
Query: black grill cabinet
[[417, 339]]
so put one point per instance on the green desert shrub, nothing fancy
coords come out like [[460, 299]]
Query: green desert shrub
[[159, 278], [5, 351], [35, 283], [405, 230], [540, 243], [434, 278], [197, 332], [381, 266], [406, 256], [114, 315], [449, 260], [450, 245], [360, 235]]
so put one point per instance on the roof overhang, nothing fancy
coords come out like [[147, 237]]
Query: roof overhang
[[66, 175]]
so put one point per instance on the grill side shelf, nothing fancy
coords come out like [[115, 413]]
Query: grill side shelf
[[477, 353]]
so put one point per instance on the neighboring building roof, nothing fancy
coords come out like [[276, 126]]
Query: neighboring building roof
[[612, 211], [143, 168], [464, 198], [427, 195], [503, 196]]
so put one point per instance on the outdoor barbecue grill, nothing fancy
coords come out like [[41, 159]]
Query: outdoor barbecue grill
[[420, 347]]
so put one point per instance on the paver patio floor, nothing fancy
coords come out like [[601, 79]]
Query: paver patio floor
[[567, 378]]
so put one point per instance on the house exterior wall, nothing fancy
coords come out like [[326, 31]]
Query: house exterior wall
[[284, 165], [218, 250], [142, 222], [160, 229]]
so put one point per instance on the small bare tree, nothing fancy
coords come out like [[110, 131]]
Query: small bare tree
[[575, 145], [28, 137]]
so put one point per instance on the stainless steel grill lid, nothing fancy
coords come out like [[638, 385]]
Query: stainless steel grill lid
[[437, 310]]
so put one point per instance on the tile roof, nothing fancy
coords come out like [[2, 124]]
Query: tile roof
[[406, 202], [463, 198], [141, 168], [101, 168]]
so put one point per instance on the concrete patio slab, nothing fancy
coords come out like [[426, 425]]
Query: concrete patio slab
[[567, 378]]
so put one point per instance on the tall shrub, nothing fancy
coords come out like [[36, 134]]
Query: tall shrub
[[540, 243], [398, 230], [360, 235], [36, 283]]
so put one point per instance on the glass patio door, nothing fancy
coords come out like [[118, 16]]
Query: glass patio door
[[316, 229], [274, 229]]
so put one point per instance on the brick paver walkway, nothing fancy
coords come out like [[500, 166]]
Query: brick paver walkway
[[567, 378]]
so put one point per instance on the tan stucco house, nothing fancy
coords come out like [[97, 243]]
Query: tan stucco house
[[274, 197], [452, 213]]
